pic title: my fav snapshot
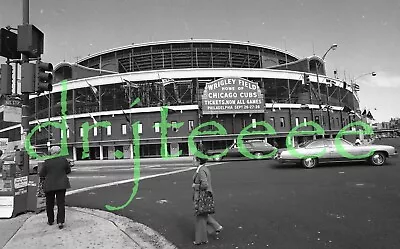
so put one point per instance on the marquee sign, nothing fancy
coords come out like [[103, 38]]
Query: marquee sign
[[232, 95]]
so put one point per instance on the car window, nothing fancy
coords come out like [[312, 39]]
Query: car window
[[346, 143], [304, 144], [258, 143], [317, 144], [247, 145]]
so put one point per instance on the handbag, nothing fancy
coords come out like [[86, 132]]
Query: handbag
[[204, 204]]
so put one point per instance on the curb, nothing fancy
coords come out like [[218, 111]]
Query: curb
[[86, 228], [140, 234]]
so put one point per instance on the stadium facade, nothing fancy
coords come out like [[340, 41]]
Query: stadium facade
[[233, 83]]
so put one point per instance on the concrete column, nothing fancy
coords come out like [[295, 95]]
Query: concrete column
[[131, 150], [74, 153], [101, 152]]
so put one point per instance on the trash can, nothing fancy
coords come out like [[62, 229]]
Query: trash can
[[36, 196]]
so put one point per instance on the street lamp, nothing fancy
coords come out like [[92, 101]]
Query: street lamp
[[365, 74], [333, 47], [355, 87]]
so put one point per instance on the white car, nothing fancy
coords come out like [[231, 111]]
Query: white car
[[309, 151]]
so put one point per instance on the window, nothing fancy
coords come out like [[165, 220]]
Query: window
[[68, 133], [108, 130], [156, 127], [95, 131], [140, 128], [191, 125], [337, 121], [243, 122], [173, 123], [282, 119], [272, 121], [316, 119], [305, 120], [81, 131], [253, 123], [123, 129], [297, 121]]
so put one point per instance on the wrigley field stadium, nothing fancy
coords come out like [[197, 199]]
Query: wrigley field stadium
[[235, 84]]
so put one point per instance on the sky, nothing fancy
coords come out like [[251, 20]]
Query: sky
[[367, 33]]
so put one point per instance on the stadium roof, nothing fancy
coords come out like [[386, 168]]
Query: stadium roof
[[133, 45]]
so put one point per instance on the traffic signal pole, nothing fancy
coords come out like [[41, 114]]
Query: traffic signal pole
[[25, 96]]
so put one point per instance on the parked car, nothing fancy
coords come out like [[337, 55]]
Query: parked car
[[9, 158], [256, 147], [313, 147]]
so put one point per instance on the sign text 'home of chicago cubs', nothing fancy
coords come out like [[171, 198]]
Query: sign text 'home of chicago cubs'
[[232, 95]]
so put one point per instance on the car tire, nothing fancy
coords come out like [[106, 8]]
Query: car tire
[[377, 159], [309, 162]]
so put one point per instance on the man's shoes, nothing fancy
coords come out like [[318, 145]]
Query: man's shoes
[[50, 223], [200, 243], [61, 225], [218, 230]]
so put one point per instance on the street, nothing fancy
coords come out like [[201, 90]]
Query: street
[[84, 176], [263, 204]]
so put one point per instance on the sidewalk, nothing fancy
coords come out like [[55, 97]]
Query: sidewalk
[[84, 228]]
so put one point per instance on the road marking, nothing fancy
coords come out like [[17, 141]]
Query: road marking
[[74, 177], [96, 168], [130, 169], [131, 180]]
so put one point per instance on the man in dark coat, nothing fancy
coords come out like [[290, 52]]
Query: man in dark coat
[[56, 183]]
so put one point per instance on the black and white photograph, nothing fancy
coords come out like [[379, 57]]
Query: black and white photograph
[[178, 124]]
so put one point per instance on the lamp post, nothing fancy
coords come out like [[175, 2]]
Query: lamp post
[[353, 84], [365, 74], [332, 47]]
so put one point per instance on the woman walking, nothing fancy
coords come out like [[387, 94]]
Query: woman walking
[[204, 204], [56, 183]]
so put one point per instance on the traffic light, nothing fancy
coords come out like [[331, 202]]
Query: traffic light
[[6, 79], [28, 78], [307, 80], [44, 77]]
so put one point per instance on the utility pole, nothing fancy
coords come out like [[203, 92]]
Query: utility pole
[[25, 96]]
